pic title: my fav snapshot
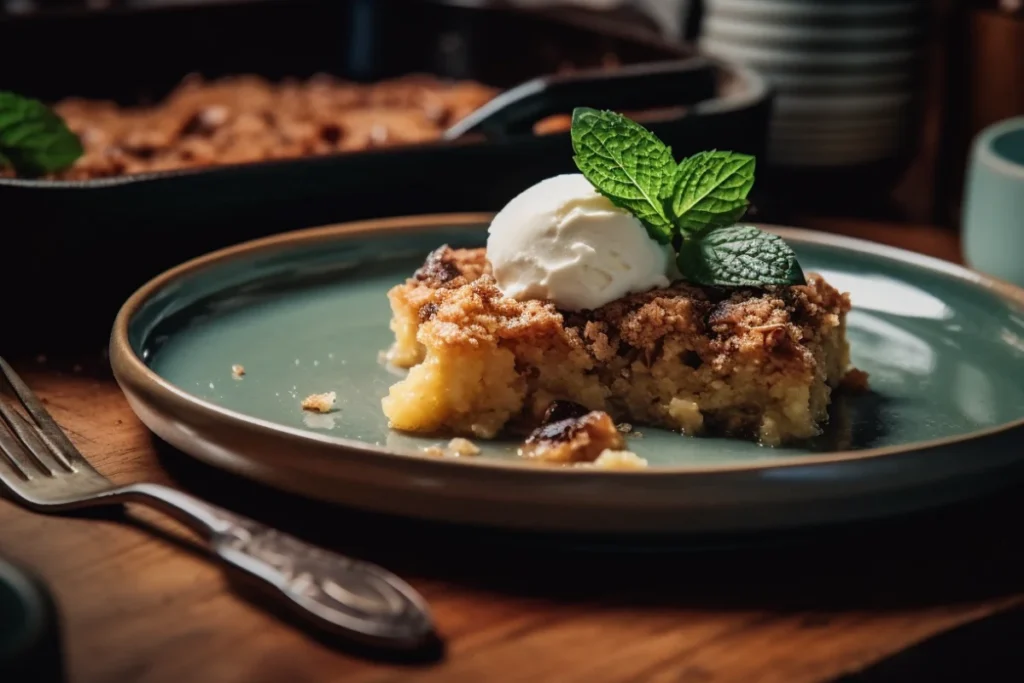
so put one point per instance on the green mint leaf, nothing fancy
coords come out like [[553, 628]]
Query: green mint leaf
[[627, 164], [33, 139], [739, 256], [710, 190]]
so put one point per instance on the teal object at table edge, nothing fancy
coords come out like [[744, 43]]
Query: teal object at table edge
[[30, 628]]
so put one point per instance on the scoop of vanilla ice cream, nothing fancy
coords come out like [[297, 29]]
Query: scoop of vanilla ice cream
[[562, 241]]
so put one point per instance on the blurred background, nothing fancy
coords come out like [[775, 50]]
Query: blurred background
[[858, 110], [881, 94], [892, 91]]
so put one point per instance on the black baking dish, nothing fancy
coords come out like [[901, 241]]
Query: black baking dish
[[108, 236]]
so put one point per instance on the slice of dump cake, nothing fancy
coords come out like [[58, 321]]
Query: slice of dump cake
[[628, 289], [759, 362]]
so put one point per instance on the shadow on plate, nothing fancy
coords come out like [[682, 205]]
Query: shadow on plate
[[958, 553], [856, 422]]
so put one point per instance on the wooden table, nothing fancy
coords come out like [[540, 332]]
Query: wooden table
[[150, 608]]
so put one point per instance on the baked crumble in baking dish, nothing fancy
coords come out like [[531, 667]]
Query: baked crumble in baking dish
[[242, 119]]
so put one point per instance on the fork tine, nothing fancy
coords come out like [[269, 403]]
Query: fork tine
[[50, 431], [46, 460], [15, 455]]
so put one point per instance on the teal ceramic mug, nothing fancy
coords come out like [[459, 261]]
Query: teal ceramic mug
[[30, 642], [993, 209]]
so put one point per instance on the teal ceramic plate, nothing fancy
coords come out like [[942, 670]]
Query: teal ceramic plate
[[307, 312]]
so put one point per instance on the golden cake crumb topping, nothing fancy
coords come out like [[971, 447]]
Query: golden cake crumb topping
[[458, 303]]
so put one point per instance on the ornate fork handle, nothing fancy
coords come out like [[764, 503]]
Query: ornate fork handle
[[352, 598]]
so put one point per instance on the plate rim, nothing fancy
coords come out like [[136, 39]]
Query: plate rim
[[132, 372]]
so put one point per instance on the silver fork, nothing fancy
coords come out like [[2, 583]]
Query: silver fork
[[42, 469]]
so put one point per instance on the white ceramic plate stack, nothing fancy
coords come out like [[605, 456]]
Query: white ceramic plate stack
[[846, 73]]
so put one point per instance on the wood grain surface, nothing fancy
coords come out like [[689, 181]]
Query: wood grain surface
[[141, 602]]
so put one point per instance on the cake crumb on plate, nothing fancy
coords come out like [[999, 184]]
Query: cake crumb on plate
[[237, 371], [855, 381], [460, 446], [456, 447], [320, 403], [569, 433], [618, 460]]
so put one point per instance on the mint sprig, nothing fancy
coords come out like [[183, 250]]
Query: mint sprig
[[628, 165], [739, 255], [710, 190], [693, 205], [33, 139]]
